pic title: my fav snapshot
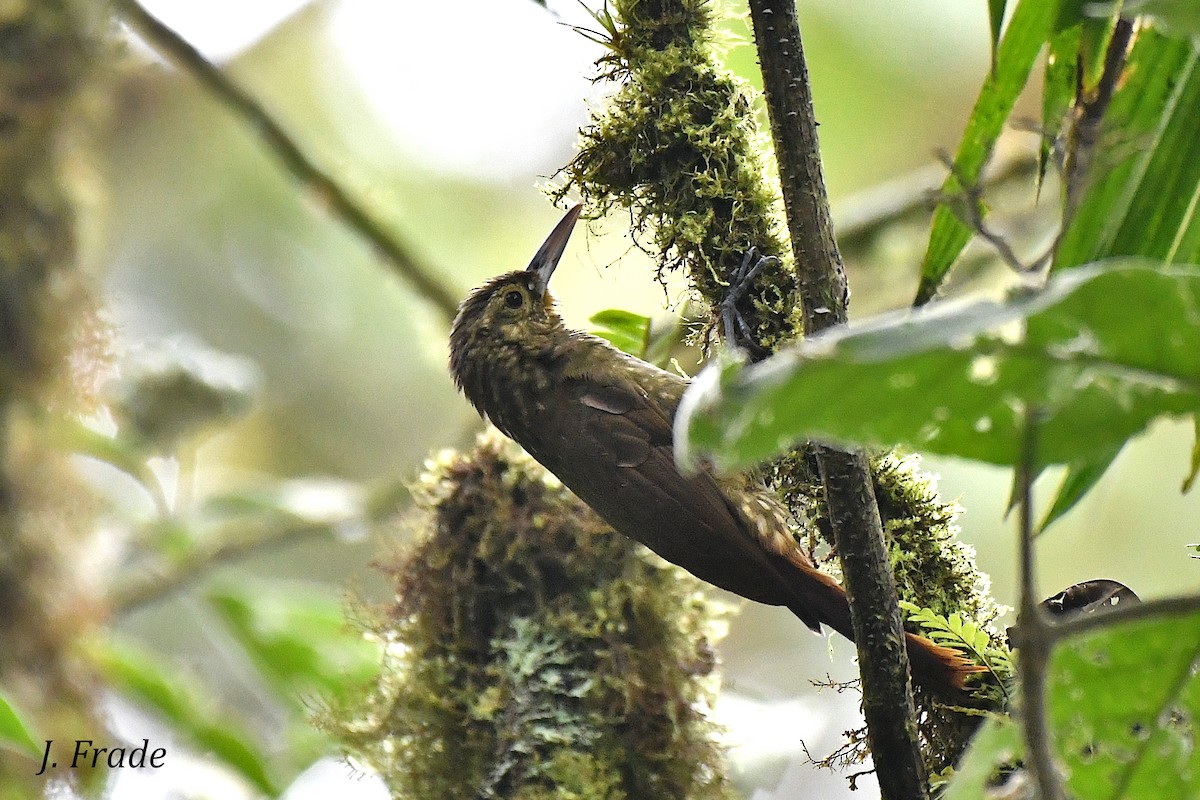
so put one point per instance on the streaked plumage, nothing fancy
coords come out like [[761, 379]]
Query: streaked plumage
[[601, 421]]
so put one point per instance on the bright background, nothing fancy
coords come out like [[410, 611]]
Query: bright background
[[444, 118]]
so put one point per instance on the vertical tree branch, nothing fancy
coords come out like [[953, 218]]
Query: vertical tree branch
[[1034, 637], [52, 56], [854, 513]]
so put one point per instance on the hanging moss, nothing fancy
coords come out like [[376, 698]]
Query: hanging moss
[[533, 653], [678, 147]]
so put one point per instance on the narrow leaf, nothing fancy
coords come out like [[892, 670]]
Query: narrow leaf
[[996, 10], [14, 731], [1190, 480], [1143, 199], [1027, 31], [1058, 93], [1080, 478]]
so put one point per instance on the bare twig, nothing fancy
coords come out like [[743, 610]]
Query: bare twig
[[1147, 609], [294, 160], [865, 214], [853, 511], [149, 584], [1034, 642], [973, 206], [1088, 114]]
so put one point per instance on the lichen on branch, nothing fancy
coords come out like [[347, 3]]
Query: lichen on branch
[[534, 653]]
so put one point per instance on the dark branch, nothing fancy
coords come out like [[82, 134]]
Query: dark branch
[[853, 511], [294, 160], [1034, 641], [147, 585]]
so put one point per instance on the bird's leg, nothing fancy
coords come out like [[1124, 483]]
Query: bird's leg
[[733, 323]]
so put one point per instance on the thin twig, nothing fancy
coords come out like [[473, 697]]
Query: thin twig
[[149, 584], [853, 510], [1137, 612], [1088, 115], [973, 207], [294, 160], [865, 214], [1033, 640]]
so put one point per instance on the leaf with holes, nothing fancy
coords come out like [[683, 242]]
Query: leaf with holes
[[1123, 706], [1102, 352]]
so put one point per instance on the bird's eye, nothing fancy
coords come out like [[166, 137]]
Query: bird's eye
[[513, 298]]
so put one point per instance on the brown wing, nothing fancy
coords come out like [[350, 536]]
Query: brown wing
[[610, 442]]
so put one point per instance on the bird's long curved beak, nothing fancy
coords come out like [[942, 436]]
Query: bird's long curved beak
[[547, 256]]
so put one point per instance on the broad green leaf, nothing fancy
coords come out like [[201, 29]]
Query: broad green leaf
[[1175, 17], [1143, 200], [14, 731], [1101, 351], [1080, 478], [298, 638], [137, 674], [995, 745], [1027, 31], [1122, 705], [625, 330]]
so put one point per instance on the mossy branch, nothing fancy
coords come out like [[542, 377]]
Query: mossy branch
[[853, 511], [533, 653]]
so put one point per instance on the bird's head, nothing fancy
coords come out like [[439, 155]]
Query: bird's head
[[513, 309]]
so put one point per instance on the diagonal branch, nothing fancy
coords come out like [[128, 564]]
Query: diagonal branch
[[293, 159], [853, 510]]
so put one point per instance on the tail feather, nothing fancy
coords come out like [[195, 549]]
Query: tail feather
[[942, 671]]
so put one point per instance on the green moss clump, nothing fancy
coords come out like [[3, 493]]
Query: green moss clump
[[934, 569], [677, 146], [533, 653]]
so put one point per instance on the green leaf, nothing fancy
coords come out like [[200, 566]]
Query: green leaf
[[1080, 478], [1101, 351], [1190, 480], [298, 638], [625, 330], [1058, 92], [1027, 31], [1122, 705], [1143, 200], [1174, 17], [995, 22], [73, 436], [996, 744], [137, 674], [14, 731]]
